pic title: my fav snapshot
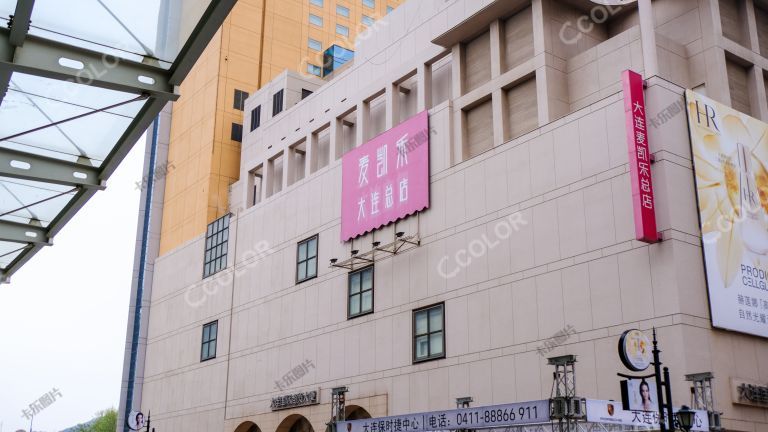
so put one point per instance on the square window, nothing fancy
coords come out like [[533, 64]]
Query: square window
[[367, 20], [360, 293], [429, 333], [306, 259], [208, 346], [240, 97], [369, 3], [390, 9], [216, 246], [342, 11], [237, 132], [315, 20], [318, 3], [255, 118], [315, 45], [342, 30]]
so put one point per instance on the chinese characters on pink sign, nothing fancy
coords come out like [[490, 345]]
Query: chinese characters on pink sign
[[639, 158], [386, 178]]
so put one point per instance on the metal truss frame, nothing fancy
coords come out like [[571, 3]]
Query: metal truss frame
[[24, 53]]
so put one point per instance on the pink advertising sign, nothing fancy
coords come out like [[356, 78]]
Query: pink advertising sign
[[386, 178], [639, 158]]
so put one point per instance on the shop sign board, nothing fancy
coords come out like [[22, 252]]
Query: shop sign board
[[386, 179], [466, 418]]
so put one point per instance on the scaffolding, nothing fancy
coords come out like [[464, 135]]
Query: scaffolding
[[566, 407], [702, 397]]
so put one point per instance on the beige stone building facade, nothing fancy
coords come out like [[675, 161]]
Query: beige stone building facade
[[526, 118]]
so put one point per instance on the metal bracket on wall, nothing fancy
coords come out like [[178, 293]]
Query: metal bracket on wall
[[401, 244]]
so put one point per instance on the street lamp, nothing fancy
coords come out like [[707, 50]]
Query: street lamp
[[685, 418]]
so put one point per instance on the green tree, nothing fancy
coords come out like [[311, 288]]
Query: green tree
[[105, 421]]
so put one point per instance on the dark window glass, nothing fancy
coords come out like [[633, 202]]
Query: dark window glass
[[305, 93], [237, 132], [277, 103], [428, 333], [306, 259], [216, 246], [255, 118], [208, 349], [240, 97], [360, 292]]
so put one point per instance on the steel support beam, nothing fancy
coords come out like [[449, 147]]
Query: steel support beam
[[81, 197], [28, 166], [20, 26], [135, 130], [41, 57], [23, 233], [209, 24], [5, 79], [6, 55]]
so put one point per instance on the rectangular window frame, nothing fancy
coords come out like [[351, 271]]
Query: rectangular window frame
[[314, 44], [317, 3], [305, 261], [236, 133], [366, 20], [360, 293], [369, 4], [312, 67], [340, 8], [415, 336], [239, 101], [205, 345], [345, 33], [277, 102], [255, 118], [317, 20], [216, 246]]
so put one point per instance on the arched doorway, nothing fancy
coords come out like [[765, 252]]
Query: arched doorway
[[351, 412], [355, 412], [295, 423], [247, 427]]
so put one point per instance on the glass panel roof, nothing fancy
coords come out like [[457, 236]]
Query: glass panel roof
[[33, 102], [9, 251], [25, 200], [129, 29], [44, 114]]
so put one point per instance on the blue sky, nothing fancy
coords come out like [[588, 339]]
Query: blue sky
[[63, 316]]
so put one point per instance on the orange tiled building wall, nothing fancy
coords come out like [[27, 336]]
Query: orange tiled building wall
[[259, 40]]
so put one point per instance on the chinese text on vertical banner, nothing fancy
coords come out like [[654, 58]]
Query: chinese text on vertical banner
[[639, 157]]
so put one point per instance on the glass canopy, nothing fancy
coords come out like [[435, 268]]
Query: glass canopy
[[80, 82]]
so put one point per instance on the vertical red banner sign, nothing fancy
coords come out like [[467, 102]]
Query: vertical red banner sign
[[639, 157]]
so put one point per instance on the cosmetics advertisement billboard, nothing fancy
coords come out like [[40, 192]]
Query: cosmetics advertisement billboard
[[730, 156]]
